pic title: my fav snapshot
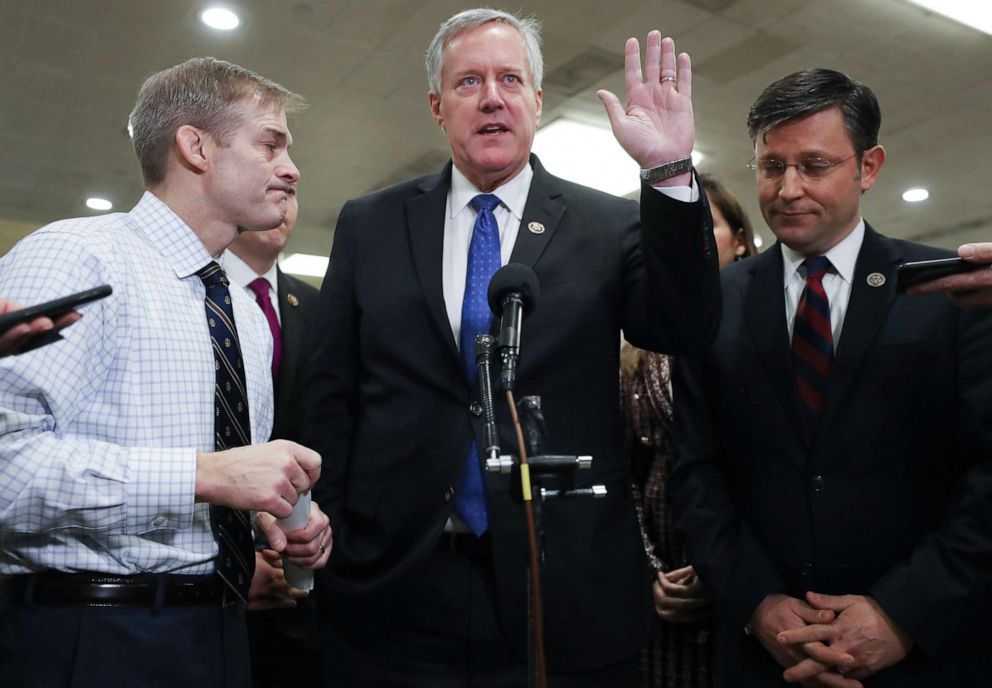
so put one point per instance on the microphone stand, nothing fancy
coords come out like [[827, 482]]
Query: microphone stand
[[484, 344]]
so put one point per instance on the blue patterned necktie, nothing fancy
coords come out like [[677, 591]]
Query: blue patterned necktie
[[812, 339], [232, 428], [483, 262]]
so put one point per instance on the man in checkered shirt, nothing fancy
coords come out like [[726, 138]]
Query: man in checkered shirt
[[108, 467]]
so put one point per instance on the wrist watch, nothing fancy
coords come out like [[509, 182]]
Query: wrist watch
[[667, 171]]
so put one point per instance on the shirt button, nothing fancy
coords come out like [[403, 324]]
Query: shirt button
[[475, 408], [808, 569], [817, 483], [159, 521], [449, 494]]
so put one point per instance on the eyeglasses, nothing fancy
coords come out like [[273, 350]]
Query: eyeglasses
[[810, 169]]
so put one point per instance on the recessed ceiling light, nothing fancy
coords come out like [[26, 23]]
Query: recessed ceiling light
[[915, 195], [758, 241], [220, 18], [304, 264], [99, 204], [977, 15]]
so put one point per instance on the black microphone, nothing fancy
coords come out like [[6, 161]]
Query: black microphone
[[513, 294]]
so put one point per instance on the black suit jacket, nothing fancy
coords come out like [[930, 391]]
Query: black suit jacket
[[890, 497], [297, 311], [391, 408]]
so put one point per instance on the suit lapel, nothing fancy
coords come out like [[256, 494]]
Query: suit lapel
[[425, 224], [866, 311], [764, 313], [541, 217], [291, 324]]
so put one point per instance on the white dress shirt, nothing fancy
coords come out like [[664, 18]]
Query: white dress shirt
[[459, 223], [836, 282], [242, 274], [99, 432]]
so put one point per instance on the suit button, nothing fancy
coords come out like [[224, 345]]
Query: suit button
[[817, 483], [475, 408], [449, 494], [808, 569]]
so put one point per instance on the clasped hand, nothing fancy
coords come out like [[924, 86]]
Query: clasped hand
[[829, 640]]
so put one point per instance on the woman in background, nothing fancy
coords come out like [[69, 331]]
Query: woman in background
[[682, 653]]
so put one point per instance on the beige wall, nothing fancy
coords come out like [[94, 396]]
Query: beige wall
[[11, 232]]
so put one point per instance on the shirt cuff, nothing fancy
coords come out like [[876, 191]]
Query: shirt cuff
[[161, 489], [686, 194]]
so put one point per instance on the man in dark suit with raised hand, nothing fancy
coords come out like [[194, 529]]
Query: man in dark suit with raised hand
[[429, 574], [832, 474]]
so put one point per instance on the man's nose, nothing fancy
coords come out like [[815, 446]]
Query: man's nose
[[287, 171], [492, 99], [791, 184]]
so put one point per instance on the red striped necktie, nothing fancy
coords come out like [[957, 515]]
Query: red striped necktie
[[812, 340]]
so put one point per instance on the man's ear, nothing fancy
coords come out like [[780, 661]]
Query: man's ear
[[434, 101], [193, 146], [871, 164]]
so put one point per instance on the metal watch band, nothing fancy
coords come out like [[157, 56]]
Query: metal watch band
[[668, 170]]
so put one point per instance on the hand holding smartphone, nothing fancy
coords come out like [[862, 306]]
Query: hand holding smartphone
[[23, 329], [917, 272]]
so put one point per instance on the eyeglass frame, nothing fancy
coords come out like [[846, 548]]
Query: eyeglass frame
[[801, 167]]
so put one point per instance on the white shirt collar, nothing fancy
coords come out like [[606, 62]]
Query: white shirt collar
[[512, 194], [842, 256], [241, 273]]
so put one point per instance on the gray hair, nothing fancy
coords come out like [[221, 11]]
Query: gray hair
[[528, 28], [203, 92]]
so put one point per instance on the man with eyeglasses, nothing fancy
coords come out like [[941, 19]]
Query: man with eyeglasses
[[841, 516]]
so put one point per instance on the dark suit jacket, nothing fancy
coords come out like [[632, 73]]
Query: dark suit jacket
[[891, 497], [297, 321], [285, 648], [391, 408]]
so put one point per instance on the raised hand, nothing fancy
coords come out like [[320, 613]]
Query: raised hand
[[656, 126]]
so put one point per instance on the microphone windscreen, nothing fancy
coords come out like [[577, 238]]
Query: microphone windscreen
[[514, 277]]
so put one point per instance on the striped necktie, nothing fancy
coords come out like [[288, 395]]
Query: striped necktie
[[812, 339], [232, 428], [483, 262]]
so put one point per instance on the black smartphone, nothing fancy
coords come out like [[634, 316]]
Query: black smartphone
[[54, 308], [911, 274]]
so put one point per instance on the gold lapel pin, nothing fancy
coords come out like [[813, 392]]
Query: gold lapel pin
[[875, 279], [535, 228], [293, 301]]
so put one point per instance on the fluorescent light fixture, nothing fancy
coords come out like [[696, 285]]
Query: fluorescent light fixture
[[587, 155], [99, 204], [304, 264], [974, 13], [220, 18], [915, 195]]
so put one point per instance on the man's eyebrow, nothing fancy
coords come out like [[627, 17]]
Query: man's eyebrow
[[281, 134]]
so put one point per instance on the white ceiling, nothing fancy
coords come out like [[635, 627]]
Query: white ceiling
[[69, 71]]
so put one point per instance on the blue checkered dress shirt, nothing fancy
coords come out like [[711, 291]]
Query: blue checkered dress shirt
[[99, 432]]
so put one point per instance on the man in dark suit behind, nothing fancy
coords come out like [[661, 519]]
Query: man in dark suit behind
[[282, 623], [834, 493], [418, 594]]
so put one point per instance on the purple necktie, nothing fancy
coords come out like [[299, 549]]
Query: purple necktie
[[261, 288]]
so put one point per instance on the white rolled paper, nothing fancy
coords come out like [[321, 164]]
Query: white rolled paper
[[297, 576]]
